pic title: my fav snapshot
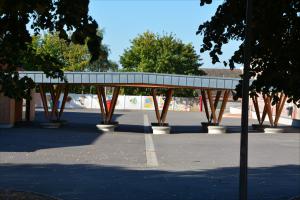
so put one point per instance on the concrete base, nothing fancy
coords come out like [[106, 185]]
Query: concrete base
[[206, 124], [160, 130], [51, 125], [216, 129], [62, 122], [106, 128], [259, 127], [274, 130]]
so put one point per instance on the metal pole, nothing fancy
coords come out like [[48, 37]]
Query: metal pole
[[243, 187]]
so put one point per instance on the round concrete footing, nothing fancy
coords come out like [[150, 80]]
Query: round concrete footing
[[206, 124], [106, 128], [259, 127], [274, 130], [216, 129], [159, 130]]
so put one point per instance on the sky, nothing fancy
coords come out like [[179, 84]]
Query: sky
[[123, 20]]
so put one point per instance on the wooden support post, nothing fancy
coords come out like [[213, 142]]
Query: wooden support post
[[56, 93], [218, 95], [52, 92], [278, 105], [153, 91], [106, 112], [44, 100], [212, 107], [166, 105], [256, 107], [63, 103], [267, 101], [280, 108], [205, 104], [264, 114], [161, 118], [102, 91], [216, 102], [113, 103], [100, 99], [223, 106], [52, 95]]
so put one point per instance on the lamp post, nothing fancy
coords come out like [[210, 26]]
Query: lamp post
[[243, 182]]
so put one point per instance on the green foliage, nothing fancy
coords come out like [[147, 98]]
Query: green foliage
[[72, 57], [150, 52], [60, 16], [275, 43], [161, 54]]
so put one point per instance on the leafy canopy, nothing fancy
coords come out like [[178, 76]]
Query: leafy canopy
[[275, 61], [161, 54], [48, 15], [73, 57], [151, 52]]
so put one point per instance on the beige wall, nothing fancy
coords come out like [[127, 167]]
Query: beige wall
[[11, 111], [7, 111]]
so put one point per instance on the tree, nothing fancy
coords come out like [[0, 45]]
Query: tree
[[57, 15], [151, 52], [73, 57], [275, 61]]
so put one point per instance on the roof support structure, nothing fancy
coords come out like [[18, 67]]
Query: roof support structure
[[203, 94], [134, 79], [107, 112], [211, 113], [64, 100], [44, 100], [268, 109], [55, 92], [161, 118]]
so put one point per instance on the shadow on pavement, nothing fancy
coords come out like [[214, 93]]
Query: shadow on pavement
[[107, 182], [80, 129], [33, 139], [78, 117], [131, 128]]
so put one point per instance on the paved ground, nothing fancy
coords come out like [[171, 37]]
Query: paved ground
[[78, 162]]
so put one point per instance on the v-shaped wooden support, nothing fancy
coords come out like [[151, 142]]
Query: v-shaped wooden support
[[161, 118], [55, 93], [268, 109], [106, 112], [260, 117], [211, 114]]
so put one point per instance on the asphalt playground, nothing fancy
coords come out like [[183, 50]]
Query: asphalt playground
[[76, 161]]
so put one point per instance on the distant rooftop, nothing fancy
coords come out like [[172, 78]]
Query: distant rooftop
[[226, 72]]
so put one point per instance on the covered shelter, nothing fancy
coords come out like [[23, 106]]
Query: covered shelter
[[206, 84]]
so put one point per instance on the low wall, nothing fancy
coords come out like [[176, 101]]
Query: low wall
[[7, 114], [125, 102]]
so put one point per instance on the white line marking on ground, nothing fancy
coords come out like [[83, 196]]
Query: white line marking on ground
[[149, 145]]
